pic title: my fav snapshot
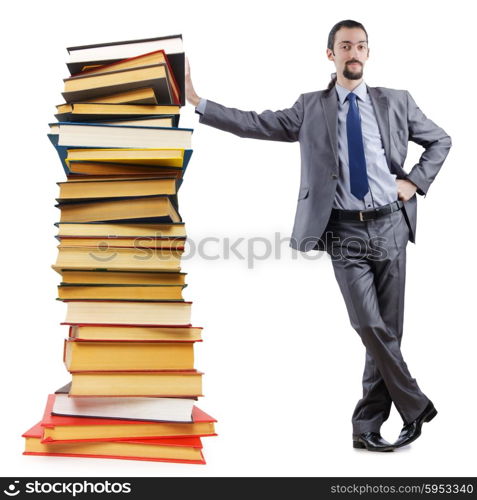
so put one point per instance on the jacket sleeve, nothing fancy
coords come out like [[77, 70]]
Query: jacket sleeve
[[283, 125], [433, 139]]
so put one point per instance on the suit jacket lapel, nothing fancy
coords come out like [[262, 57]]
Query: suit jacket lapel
[[381, 109], [329, 101]]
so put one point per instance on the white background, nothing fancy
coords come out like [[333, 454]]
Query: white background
[[282, 364]]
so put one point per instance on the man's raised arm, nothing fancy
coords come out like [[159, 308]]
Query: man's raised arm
[[283, 125]]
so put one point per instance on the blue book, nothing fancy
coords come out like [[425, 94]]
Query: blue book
[[63, 153]]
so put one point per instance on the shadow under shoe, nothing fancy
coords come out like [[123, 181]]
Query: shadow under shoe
[[371, 441]]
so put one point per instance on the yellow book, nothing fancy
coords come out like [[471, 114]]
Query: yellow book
[[136, 156], [161, 384], [157, 57], [181, 450], [90, 170], [148, 207], [153, 313], [122, 188], [120, 292], [87, 86], [86, 81], [166, 121], [117, 259], [118, 431], [130, 355], [103, 277], [100, 106], [125, 230], [137, 96], [113, 242], [124, 332]]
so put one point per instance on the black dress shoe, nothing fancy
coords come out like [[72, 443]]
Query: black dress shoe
[[372, 441], [410, 432]]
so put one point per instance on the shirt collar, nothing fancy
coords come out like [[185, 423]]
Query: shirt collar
[[361, 91]]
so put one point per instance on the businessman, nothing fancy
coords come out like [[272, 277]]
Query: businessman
[[358, 204]]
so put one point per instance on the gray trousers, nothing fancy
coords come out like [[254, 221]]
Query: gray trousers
[[369, 262]]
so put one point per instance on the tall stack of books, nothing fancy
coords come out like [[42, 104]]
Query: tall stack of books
[[130, 346]]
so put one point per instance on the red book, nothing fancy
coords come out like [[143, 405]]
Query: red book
[[81, 429], [177, 450]]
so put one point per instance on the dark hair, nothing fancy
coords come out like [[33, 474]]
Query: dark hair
[[348, 23]]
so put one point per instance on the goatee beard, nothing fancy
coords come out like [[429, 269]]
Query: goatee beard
[[352, 76]]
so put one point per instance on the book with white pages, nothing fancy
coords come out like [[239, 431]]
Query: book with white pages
[[136, 408], [98, 135]]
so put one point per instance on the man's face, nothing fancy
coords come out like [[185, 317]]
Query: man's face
[[350, 52]]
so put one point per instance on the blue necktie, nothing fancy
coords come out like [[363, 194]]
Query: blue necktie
[[357, 162]]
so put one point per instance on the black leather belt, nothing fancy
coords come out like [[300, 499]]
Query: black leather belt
[[364, 215]]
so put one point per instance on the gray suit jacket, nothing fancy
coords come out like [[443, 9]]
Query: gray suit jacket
[[312, 121]]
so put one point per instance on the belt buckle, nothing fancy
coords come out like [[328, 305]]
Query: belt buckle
[[362, 215]]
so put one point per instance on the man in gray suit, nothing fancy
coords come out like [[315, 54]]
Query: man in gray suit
[[358, 204]]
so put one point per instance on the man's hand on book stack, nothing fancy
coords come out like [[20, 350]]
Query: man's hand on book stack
[[191, 94]]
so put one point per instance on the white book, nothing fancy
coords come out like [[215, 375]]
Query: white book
[[127, 49], [128, 313], [137, 408], [121, 136]]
